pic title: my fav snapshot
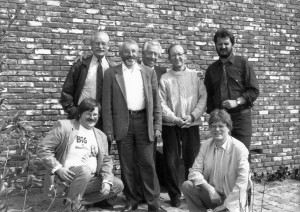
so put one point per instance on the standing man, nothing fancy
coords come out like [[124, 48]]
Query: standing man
[[231, 84], [85, 79], [151, 51], [76, 154], [132, 116], [183, 101]]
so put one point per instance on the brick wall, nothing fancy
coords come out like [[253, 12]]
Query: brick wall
[[50, 34]]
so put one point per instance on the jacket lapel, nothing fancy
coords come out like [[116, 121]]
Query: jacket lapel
[[120, 80]]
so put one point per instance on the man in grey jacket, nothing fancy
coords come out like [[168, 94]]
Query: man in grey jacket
[[76, 155]]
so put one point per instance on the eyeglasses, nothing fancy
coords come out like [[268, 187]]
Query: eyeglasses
[[175, 55], [214, 127]]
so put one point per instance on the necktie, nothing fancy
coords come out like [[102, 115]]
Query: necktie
[[99, 82], [224, 85]]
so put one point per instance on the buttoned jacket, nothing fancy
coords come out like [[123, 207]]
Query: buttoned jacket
[[115, 110]]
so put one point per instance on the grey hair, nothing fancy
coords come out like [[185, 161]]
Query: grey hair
[[104, 34], [127, 41], [153, 43]]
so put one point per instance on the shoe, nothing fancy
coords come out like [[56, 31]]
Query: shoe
[[160, 209], [104, 204], [175, 202], [129, 208]]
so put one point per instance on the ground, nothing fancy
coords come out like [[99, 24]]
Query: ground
[[278, 196]]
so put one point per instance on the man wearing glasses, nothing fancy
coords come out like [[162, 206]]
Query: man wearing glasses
[[183, 100], [85, 77]]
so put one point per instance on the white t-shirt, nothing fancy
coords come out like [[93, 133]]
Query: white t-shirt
[[84, 144]]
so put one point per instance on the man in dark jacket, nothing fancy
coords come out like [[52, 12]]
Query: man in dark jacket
[[85, 78]]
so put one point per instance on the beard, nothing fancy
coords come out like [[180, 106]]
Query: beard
[[224, 53]]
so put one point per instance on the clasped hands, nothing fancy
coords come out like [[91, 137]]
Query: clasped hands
[[184, 122]]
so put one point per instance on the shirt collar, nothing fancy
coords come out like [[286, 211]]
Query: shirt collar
[[146, 65], [134, 68], [225, 145], [231, 59], [95, 59]]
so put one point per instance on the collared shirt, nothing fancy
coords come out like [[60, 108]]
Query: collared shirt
[[134, 87], [217, 174], [241, 81], [89, 88], [146, 65]]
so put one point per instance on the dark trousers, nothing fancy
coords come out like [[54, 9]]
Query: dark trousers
[[242, 126], [172, 135], [136, 149]]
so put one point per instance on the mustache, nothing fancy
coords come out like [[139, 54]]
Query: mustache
[[130, 57], [89, 119]]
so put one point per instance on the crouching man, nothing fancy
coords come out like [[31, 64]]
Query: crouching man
[[76, 153], [220, 176]]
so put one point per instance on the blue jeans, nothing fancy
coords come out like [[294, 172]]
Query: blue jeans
[[85, 187]]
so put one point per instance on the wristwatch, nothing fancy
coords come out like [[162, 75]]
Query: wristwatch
[[238, 101]]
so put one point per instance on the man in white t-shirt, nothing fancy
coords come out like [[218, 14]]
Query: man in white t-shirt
[[76, 153]]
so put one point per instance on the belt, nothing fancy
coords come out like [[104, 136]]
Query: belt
[[134, 112]]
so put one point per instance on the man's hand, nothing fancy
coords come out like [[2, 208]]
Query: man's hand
[[214, 196], [157, 134], [179, 122], [228, 104], [110, 138], [105, 189], [188, 120], [65, 174], [219, 208]]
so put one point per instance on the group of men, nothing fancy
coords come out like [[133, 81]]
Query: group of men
[[136, 104]]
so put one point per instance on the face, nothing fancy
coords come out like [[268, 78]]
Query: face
[[177, 56], [129, 54], [88, 119], [100, 44], [150, 55], [219, 131], [224, 47]]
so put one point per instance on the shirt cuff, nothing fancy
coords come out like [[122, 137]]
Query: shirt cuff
[[56, 168]]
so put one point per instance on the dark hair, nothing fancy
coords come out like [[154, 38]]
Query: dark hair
[[222, 116], [88, 104], [224, 33]]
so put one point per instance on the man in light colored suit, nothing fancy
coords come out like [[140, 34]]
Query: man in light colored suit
[[132, 117], [220, 176], [75, 154]]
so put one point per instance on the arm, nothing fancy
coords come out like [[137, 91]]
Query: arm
[[67, 94], [107, 103], [251, 84], [196, 176], [167, 114], [157, 111], [201, 104], [107, 164], [239, 190], [210, 92], [48, 146]]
